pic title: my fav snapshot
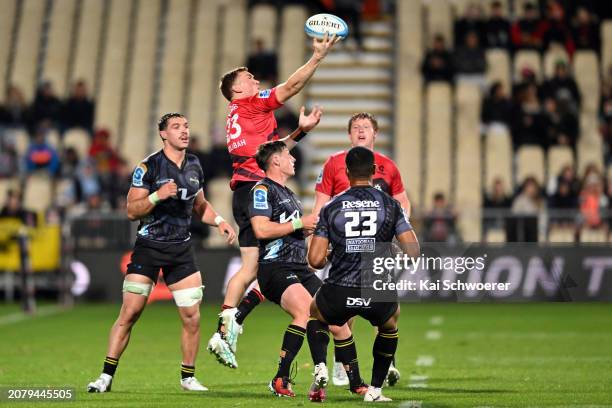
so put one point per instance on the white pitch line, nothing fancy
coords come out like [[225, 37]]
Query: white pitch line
[[411, 404], [436, 320], [433, 335], [20, 316], [418, 381], [425, 361]]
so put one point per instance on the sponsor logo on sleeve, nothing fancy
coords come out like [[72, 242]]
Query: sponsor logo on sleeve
[[320, 178], [138, 175], [260, 198], [265, 93]]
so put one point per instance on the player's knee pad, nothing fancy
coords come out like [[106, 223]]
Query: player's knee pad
[[187, 297], [138, 288]]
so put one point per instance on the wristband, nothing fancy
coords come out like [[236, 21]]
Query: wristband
[[300, 136], [297, 224], [219, 219], [153, 198]]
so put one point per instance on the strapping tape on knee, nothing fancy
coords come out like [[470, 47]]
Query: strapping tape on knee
[[188, 297], [138, 288]]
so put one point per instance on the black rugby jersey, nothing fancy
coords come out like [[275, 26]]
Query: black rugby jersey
[[360, 224], [270, 199], [170, 219]]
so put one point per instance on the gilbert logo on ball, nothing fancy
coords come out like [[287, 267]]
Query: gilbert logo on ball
[[316, 26]]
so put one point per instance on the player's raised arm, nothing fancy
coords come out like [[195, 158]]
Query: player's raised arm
[[402, 198], [299, 78], [306, 124]]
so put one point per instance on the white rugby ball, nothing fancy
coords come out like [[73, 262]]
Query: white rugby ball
[[316, 26]]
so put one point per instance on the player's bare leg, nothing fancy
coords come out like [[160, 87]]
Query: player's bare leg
[[223, 343], [187, 295], [136, 289]]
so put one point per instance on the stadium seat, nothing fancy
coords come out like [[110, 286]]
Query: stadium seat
[[590, 151], [53, 138], [559, 157], [108, 107], [203, 90], [38, 192], [58, 46], [79, 140], [27, 47], [553, 55], [439, 20], [410, 31], [233, 51], [498, 68], [138, 139], [22, 141], [468, 193], [495, 236], [561, 234], [518, 7], [220, 195], [262, 23], [498, 156], [594, 235], [606, 45], [586, 73], [88, 43], [6, 25], [527, 58], [291, 56], [438, 154], [530, 162]]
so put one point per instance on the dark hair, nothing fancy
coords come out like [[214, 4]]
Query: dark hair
[[163, 121], [227, 81], [360, 162], [266, 150], [363, 115]]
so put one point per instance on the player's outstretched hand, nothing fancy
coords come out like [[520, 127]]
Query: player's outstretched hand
[[321, 46], [167, 190], [226, 229], [308, 122]]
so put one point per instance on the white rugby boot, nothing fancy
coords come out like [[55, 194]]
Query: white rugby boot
[[101, 384], [192, 384], [375, 395], [339, 377]]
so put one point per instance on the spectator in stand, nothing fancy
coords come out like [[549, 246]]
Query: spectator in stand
[[438, 65], [203, 158], [440, 222], [560, 124], [563, 204], [527, 31], [526, 125], [605, 116], [469, 60], [471, 22], [78, 111], [562, 86], [118, 189], [585, 31], [40, 155], [496, 106], [523, 226], [593, 201], [46, 109], [567, 176], [497, 28], [556, 30], [14, 111], [86, 183], [103, 156], [70, 162], [496, 204], [527, 78], [263, 63], [13, 208]]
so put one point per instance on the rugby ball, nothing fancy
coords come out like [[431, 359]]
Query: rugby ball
[[316, 26]]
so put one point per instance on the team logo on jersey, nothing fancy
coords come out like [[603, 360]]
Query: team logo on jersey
[[194, 180], [320, 178], [138, 175], [260, 198], [265, 93]]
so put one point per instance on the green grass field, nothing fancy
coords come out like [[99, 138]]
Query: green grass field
[[519, 355]]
